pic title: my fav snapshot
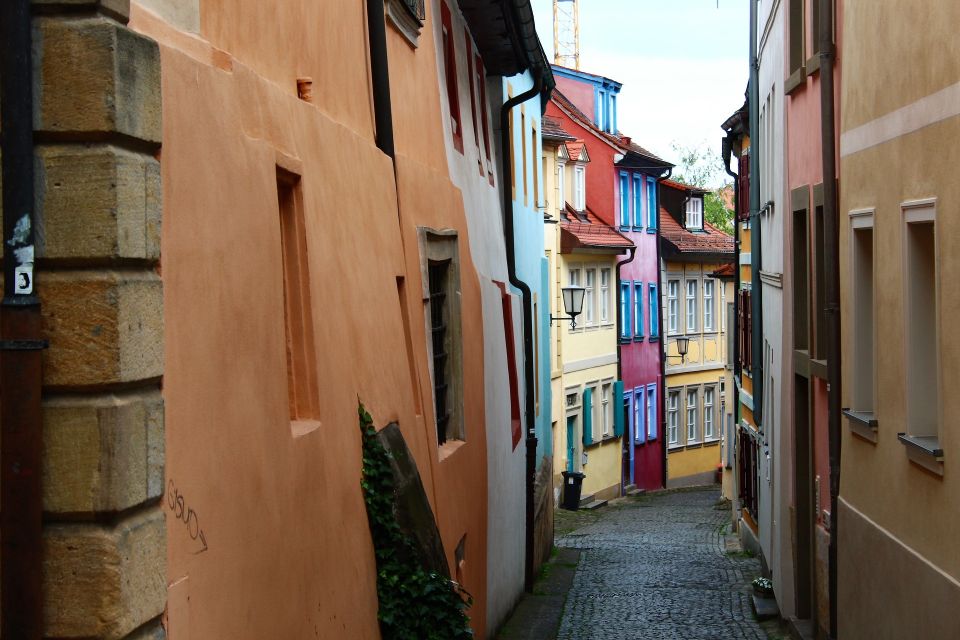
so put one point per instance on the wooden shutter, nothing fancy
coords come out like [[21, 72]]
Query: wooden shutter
[[618, 408], [588, 416]]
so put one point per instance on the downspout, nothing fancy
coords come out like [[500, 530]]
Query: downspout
[[380, 76], [832, 284], [506, 184], [628, 442], [755, 263], [663, 335], [21, 423], [727, 151]]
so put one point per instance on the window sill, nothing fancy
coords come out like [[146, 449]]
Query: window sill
[[625, 340], [794, 80], [924, 451], [625, 229], [300, 428], [638, 229], [638, 338], [673, 448], [654, 338], [813, 64], [712, 442], [450, 447], [862, 423], [651, 231]]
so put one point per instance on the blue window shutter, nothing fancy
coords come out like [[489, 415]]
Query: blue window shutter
[[654, 316], [625, 327], [637, 203], [638, 312], [624, 200], [618, 408], [652, 213], [588, 416]]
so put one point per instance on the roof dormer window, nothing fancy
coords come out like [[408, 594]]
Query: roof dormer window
[[579, 187], [695, 213]]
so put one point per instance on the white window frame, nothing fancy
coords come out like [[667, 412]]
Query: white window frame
[[573, 277], [695, 213], [708, 315], [561, 195], [639, 413], [709, 424], [589, 296], [691, 305], [651, 407], [673, 306], [579, 187], [605, 295], [606, 392], [673, 417], [692, 414]]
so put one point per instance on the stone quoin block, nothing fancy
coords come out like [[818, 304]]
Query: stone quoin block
[[104, 327], [104, 582], [102, 453], [98, 201], [95, 76]]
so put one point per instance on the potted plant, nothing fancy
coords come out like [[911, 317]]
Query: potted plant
[[763, 587]]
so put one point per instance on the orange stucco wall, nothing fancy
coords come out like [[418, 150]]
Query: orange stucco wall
[[288, 551]]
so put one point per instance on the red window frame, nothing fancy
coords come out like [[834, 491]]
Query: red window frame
[[450, 67]]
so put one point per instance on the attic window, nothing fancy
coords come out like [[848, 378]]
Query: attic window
[[695, 213], [579, 188], [407, 16]]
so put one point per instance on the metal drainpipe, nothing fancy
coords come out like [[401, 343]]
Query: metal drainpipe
[[21, 378], [663, 334], [728, 149], [832, 284], [506, 183], [618, 302], [755, 287], [380, 76]]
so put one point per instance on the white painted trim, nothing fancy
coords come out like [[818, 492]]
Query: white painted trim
[[589, 363], [861, 218], [744, 258], [924, 210], [926, 111], [772, 279]]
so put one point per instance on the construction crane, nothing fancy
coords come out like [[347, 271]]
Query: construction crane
[[566, 33]]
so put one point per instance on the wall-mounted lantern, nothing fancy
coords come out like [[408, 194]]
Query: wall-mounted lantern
[[683, 344], [572, 305]]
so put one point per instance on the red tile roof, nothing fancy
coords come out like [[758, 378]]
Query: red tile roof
[[710, 240], [575, 149], [726, 271], [673, 184], [593, 233]]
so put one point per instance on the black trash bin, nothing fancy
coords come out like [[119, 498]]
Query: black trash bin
[[572, 483]]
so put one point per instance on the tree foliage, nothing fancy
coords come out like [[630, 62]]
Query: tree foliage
[[702, 167]]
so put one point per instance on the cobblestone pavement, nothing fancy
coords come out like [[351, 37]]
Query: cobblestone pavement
[[657, 567]]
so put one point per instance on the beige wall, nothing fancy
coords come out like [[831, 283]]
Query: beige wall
[[898, 520]]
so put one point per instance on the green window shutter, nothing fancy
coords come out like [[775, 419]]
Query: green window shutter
[[587, 416], [618, 408]]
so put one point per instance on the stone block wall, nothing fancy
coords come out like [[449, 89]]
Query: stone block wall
[[97, 121]]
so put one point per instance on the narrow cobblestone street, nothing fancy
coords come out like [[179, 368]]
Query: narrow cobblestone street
[[662, 566]]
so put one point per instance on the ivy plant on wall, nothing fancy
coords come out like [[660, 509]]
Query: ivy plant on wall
[[414, 604]]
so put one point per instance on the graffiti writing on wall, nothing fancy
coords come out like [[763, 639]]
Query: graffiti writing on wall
[[189, 517]]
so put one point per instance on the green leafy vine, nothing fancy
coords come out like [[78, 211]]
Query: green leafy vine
[[414, 604]]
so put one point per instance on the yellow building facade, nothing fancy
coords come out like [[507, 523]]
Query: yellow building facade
[[898, 233], [697, 287]]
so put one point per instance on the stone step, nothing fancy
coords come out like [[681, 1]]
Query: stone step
[[765, 608], [636, 492], [630, 487], [596, 504]]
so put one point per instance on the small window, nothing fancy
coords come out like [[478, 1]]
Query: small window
[[588, 297], [652, 412], [601, 110], [673, 417], [695, 213], [481, 83], [796, 35], [579, 188], [709, 432], [708, 305], [691, 306], [624, 200], [639, 415], [624, 310], [637, 203], [673, 305], [692, 431], [652, 212], [561, 194], [864, 331], [468, 41], [654, 310], [922, 311], [606, 408], [450, 69], [638, 301], [604, 295], [574, 277]]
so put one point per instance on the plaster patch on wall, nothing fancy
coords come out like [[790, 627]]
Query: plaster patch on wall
[[183, 14]]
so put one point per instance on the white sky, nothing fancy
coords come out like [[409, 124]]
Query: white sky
[[683, 64]]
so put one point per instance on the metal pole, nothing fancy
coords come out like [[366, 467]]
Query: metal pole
[[832, 284], [21, 435]]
